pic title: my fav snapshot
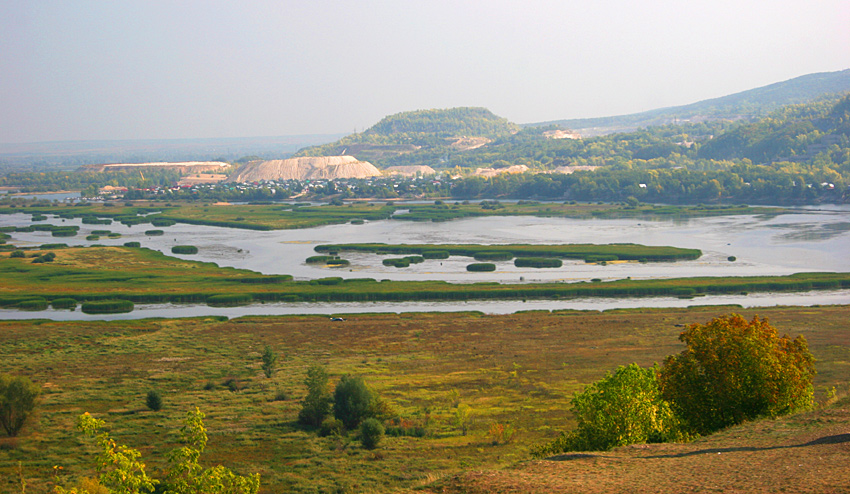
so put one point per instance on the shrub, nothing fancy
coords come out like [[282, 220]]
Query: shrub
[[331, 427], [435, 254], [17, 401], [734, 370], [396, 262], [537, 262], [64, 303], [17, 253], [154, 401], [481, 266], [269, 361], [338, 263], [229, 299], [731, 258], [154, 233], [619, 409], [184, 249], [162, 222], [371, 433], [353, 401], [415, 259], [132, 244], [32, 304], [329, 281], [493, 256], [319, 259], [107, 306]]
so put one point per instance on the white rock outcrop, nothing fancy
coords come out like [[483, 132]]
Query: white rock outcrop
[[410, 170], [306, 168]]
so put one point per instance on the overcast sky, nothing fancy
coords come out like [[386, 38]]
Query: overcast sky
[[113, 69]]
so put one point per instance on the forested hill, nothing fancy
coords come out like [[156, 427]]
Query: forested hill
[[452, 122], [430, 133], [750, 104]]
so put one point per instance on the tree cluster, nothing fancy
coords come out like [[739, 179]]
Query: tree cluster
[[733, 370]]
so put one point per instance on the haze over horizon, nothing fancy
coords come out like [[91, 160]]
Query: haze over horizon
[[98, 70]]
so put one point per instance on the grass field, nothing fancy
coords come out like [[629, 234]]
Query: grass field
[[518, 369]]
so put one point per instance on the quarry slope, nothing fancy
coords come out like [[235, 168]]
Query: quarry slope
[[306, 168]]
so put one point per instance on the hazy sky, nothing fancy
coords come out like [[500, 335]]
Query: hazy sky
[[113, 69]]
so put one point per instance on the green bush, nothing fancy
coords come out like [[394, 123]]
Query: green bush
[[64, 303], [229, 299], [320, 259], [396, 262], [481, 266], [353, 401], [339, 262], [619, 409], [154, 233], [154, 401], [415, 259], [334, 280], [32, 304], [537, 262], [17, 401], [331, 427], [132, 244], [371, 433], [435, 254], [184, 249], [162, 222], [493, 256], [107, 306], [734, 370], [317, 404], [17, 253]]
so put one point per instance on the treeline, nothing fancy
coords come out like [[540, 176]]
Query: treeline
[[66, 180], [740, 183]]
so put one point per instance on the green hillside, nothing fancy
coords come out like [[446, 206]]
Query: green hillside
[[748, 104], [427, 133]]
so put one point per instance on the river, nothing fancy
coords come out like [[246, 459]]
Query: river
[[807, 239]]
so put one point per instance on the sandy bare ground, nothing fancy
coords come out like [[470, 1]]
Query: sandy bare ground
[[809, 452]]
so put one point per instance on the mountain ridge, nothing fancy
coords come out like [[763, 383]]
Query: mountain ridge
[[748, 104]]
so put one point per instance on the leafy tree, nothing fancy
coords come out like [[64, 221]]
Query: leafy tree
[[122, 472], [17, 400], [269, 361], [371, 433], [188, 477], [154, 400], [461, 417], [734, 370], [622, 408], [353, 401], [317, 404]]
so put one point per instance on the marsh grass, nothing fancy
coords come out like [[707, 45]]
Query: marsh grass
[[518, 370]]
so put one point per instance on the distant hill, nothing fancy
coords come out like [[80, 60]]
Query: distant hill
[[428, 132], [748, 105], [68, 155]]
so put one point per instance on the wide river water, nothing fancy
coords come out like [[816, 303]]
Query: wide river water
[[809, 239]]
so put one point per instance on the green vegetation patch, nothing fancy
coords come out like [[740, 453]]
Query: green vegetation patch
[[633, 252], [184, 249], [481, 266], [537, 262], [111, 306], [229, 299]]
